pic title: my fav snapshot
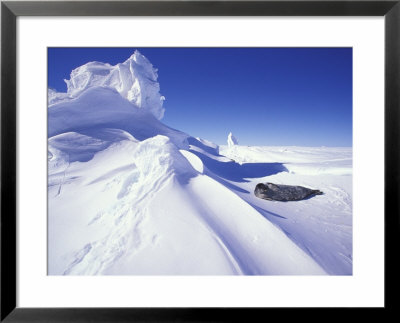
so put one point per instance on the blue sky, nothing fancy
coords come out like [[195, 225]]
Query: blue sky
[[265, 96]]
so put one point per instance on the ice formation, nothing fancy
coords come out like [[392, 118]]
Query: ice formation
[[135, 80], [232, 141]]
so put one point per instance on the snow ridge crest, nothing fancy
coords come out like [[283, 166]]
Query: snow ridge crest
[[135, 79]]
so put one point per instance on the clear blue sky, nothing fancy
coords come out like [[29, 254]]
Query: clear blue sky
[[265, 96]]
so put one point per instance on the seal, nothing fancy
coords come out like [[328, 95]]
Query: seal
[[283, 193]]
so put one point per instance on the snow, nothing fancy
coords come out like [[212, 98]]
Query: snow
[[195, 161], [100, 107], [135, 80], [321, 225], [54, 96], [232, 140], [128, 195]]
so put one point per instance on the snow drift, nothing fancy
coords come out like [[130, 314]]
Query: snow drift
[[129, 195]]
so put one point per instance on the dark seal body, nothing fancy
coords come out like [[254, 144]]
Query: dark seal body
[[278, 192]]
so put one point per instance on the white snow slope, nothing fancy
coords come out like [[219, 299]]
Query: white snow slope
[[128, 195]]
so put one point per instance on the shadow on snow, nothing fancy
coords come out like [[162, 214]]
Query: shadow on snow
[[233, 171]]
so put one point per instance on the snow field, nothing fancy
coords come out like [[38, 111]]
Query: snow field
[[128, 195]]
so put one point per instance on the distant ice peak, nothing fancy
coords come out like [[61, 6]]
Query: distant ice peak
[[135, 79], [232, 141]]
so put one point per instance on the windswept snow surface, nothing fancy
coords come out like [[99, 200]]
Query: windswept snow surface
[[320, 225], [127, 195]]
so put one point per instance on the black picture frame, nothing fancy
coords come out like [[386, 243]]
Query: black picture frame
[[10, 10]]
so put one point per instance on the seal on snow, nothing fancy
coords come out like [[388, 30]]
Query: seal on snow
[[278, 192]]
